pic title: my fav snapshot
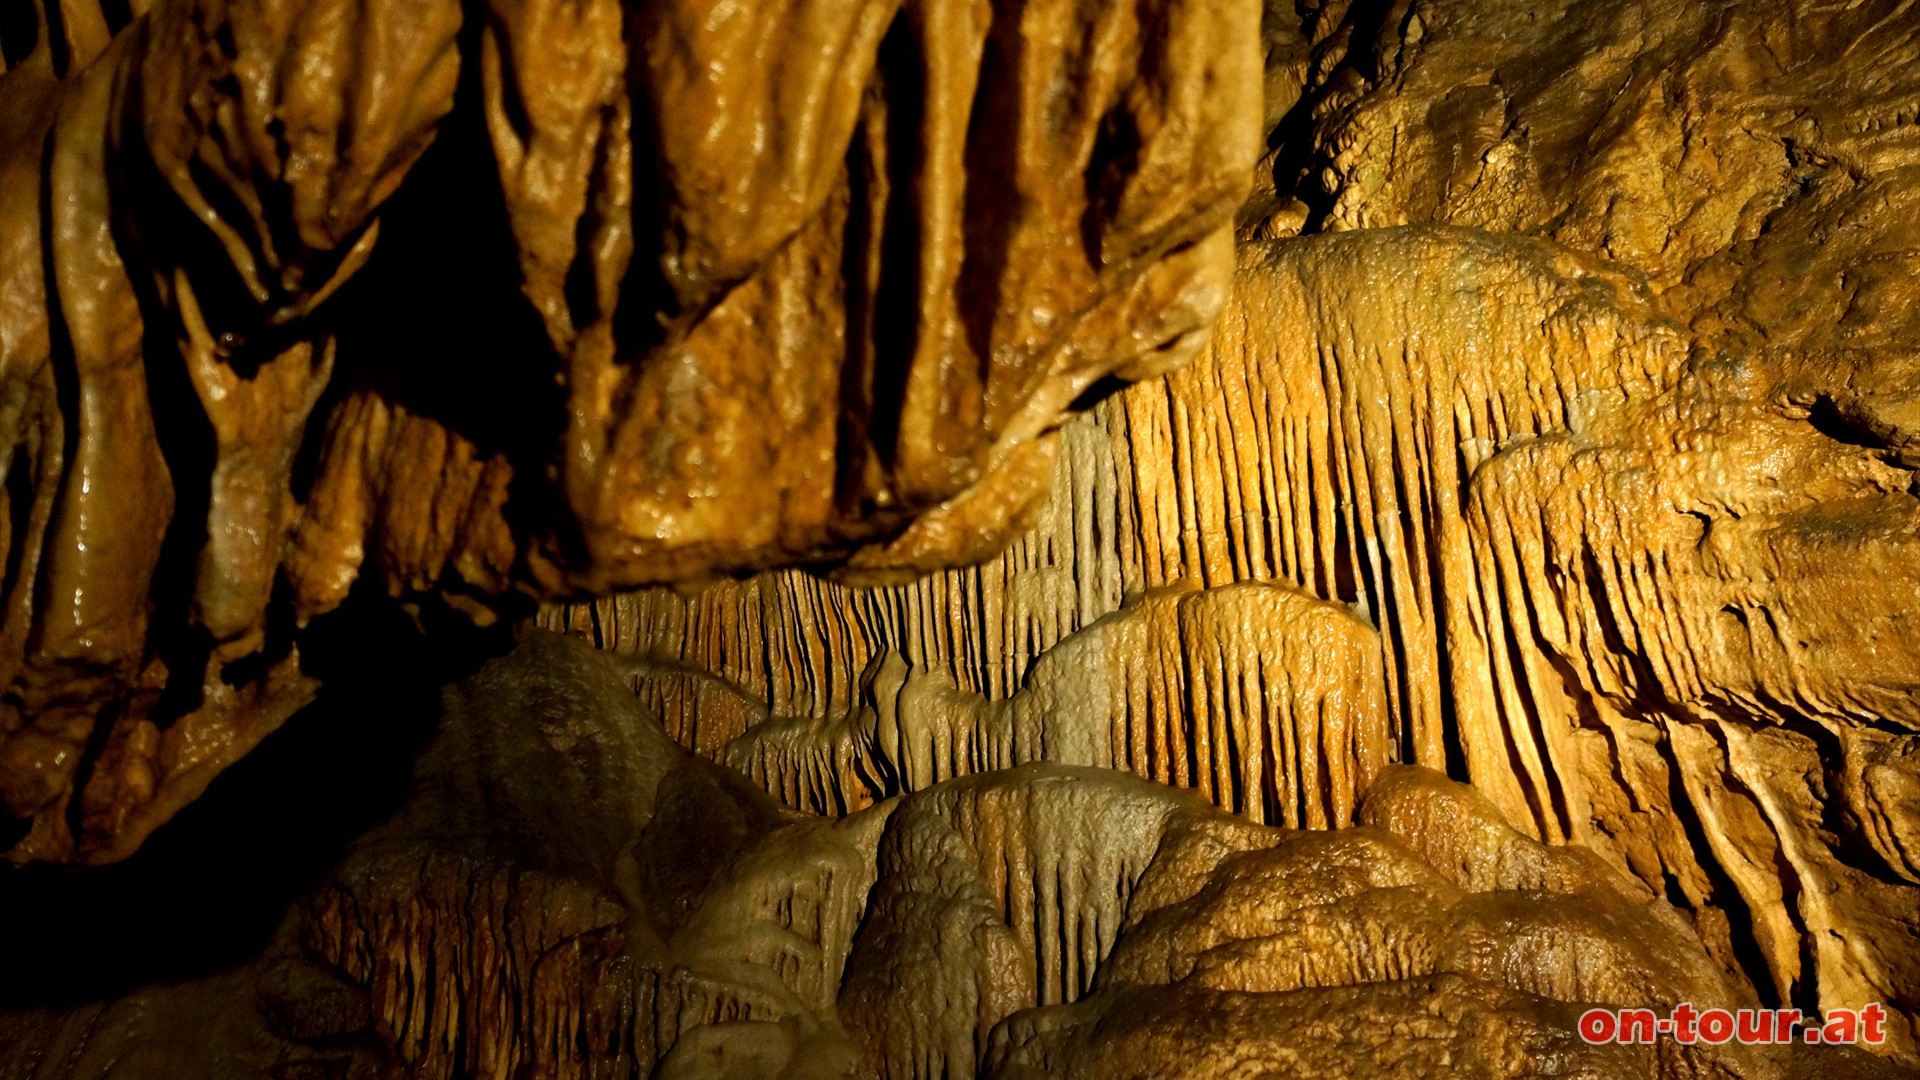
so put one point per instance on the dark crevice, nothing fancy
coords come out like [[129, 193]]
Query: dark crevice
[[118, 13], [19, 518], [1725, 896], [56, 29], [894, 315], [1828, 420], [209, 889], [1296, 161], [19, 31]]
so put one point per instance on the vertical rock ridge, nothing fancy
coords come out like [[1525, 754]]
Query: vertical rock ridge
[[1267, 702], [1309, 446]]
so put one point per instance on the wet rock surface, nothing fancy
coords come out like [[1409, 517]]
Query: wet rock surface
[[1070, 595], [1566, 349], [310, 307], [1040, 920]]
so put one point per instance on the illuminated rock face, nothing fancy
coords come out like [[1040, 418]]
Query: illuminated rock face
[[1491, 598], [1572, 351], [1610, 585], [470, 307], [565, 892]]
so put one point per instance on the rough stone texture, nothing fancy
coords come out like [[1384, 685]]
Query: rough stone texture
[[1314, 444], [1573, 347], [1555, 435], [470, 305], [1266, 701], [1044, 920]]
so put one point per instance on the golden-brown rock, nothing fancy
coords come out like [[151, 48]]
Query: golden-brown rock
[[564, 892], [1266, 701], [1574, 348], [466, 306], [1556, 434]]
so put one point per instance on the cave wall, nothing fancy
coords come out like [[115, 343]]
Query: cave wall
[[562, 891], [1568, 354], [315, 309], [1071, 595]]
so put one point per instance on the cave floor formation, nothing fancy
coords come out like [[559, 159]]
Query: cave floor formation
[[558, 889]]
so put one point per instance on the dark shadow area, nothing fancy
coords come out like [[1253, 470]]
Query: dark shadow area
[[437, 324], [19, 30], [1297, 160], [1828, 419], [207, 891]]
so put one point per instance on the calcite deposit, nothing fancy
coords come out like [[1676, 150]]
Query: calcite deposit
[[1583, 567], [952, 538], [465, 309], [563, 891]]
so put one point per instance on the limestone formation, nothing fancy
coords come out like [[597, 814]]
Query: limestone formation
[[900, 539], [1604, 573], [1268, 702], [565, 892], [1570, 348], [467, 307]]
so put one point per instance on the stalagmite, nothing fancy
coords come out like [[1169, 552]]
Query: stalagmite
[[1034, 918]]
